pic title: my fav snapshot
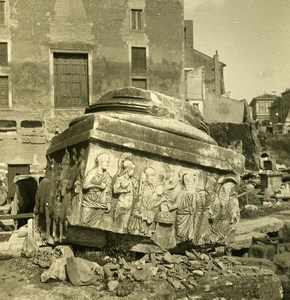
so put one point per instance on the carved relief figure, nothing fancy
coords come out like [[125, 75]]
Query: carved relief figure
[[126, 186], [143, 213], [225, 211], [186, 207], [45, 196], [63, 195], [97, 192], [203, 210], [165, 197], [63, 201]]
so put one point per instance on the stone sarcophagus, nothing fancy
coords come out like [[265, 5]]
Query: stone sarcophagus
[[140, 169]]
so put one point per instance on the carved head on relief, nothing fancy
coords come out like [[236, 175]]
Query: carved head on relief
[[126, 165], [189, 180], [226, 189], [166, 175], [149, 175], [102, 161]]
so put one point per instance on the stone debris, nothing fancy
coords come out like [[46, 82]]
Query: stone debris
[[113, 285], [57, 269], [194, 272], [55, 272], [83, 272]]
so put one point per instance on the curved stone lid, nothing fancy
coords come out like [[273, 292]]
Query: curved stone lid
[[139, 101]]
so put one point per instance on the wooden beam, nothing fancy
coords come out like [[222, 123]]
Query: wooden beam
[[18, 216]]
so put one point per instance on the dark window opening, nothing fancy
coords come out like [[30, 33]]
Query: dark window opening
[[3, 55], [7, 124], [2, 12], [31, 124], [138, 59], [139, 83]]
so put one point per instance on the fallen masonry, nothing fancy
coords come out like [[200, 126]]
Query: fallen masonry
[[195, 275]]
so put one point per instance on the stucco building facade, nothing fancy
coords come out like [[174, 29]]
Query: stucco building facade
[[279, 114], [260, 107], [59, 56]]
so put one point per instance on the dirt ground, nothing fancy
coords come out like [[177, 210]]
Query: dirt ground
[[20, 280]]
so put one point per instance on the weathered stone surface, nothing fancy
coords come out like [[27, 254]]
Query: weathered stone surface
[[30, 246], [83, 272], [113, 285], [55, 272], [63, 251], [142, 165], [57, 269], [262, 251], [259, 262], [44, 257], [282, 260], [257, 228], [142, 275], [284, 232]]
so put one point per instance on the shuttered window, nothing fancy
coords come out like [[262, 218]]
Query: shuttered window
[[2, 12], [3, 55], [136, 19], [4, 91], [71, 80], [138, 60]]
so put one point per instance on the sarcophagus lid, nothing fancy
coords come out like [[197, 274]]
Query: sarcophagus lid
[[139, 168]]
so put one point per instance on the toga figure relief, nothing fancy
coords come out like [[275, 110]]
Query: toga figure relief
[[203, 209], [165, 197], [126, 187], [186, 206], [225, 211], [142, 218], [45, 196], [97, 192]]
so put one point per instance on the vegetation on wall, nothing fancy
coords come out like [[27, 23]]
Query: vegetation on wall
[[226, 134]]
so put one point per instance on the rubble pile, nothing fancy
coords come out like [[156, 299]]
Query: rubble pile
[[195, 274]]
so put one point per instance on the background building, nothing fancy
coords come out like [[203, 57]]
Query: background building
[[205, 87], [260, 107], [279, 114], [59, 56]]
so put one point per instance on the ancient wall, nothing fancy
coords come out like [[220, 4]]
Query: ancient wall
[[223, 109]]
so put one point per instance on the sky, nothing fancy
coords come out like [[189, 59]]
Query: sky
[[252, 38]]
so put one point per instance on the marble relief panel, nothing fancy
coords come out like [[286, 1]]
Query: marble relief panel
[[126, 193]]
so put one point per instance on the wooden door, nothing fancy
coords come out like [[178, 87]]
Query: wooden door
[[70, 80]]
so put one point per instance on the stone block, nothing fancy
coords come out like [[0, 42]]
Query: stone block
[[282, 260], [56, 271], [262, 251], [83, 272], [259, 262], [141, 164]]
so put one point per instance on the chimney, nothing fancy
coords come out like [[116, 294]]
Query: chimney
[[217, 75], [188, 44]]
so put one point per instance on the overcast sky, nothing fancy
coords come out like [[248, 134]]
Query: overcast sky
[[252, 38]]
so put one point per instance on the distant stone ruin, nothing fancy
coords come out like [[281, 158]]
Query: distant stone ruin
[[139, 169]]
